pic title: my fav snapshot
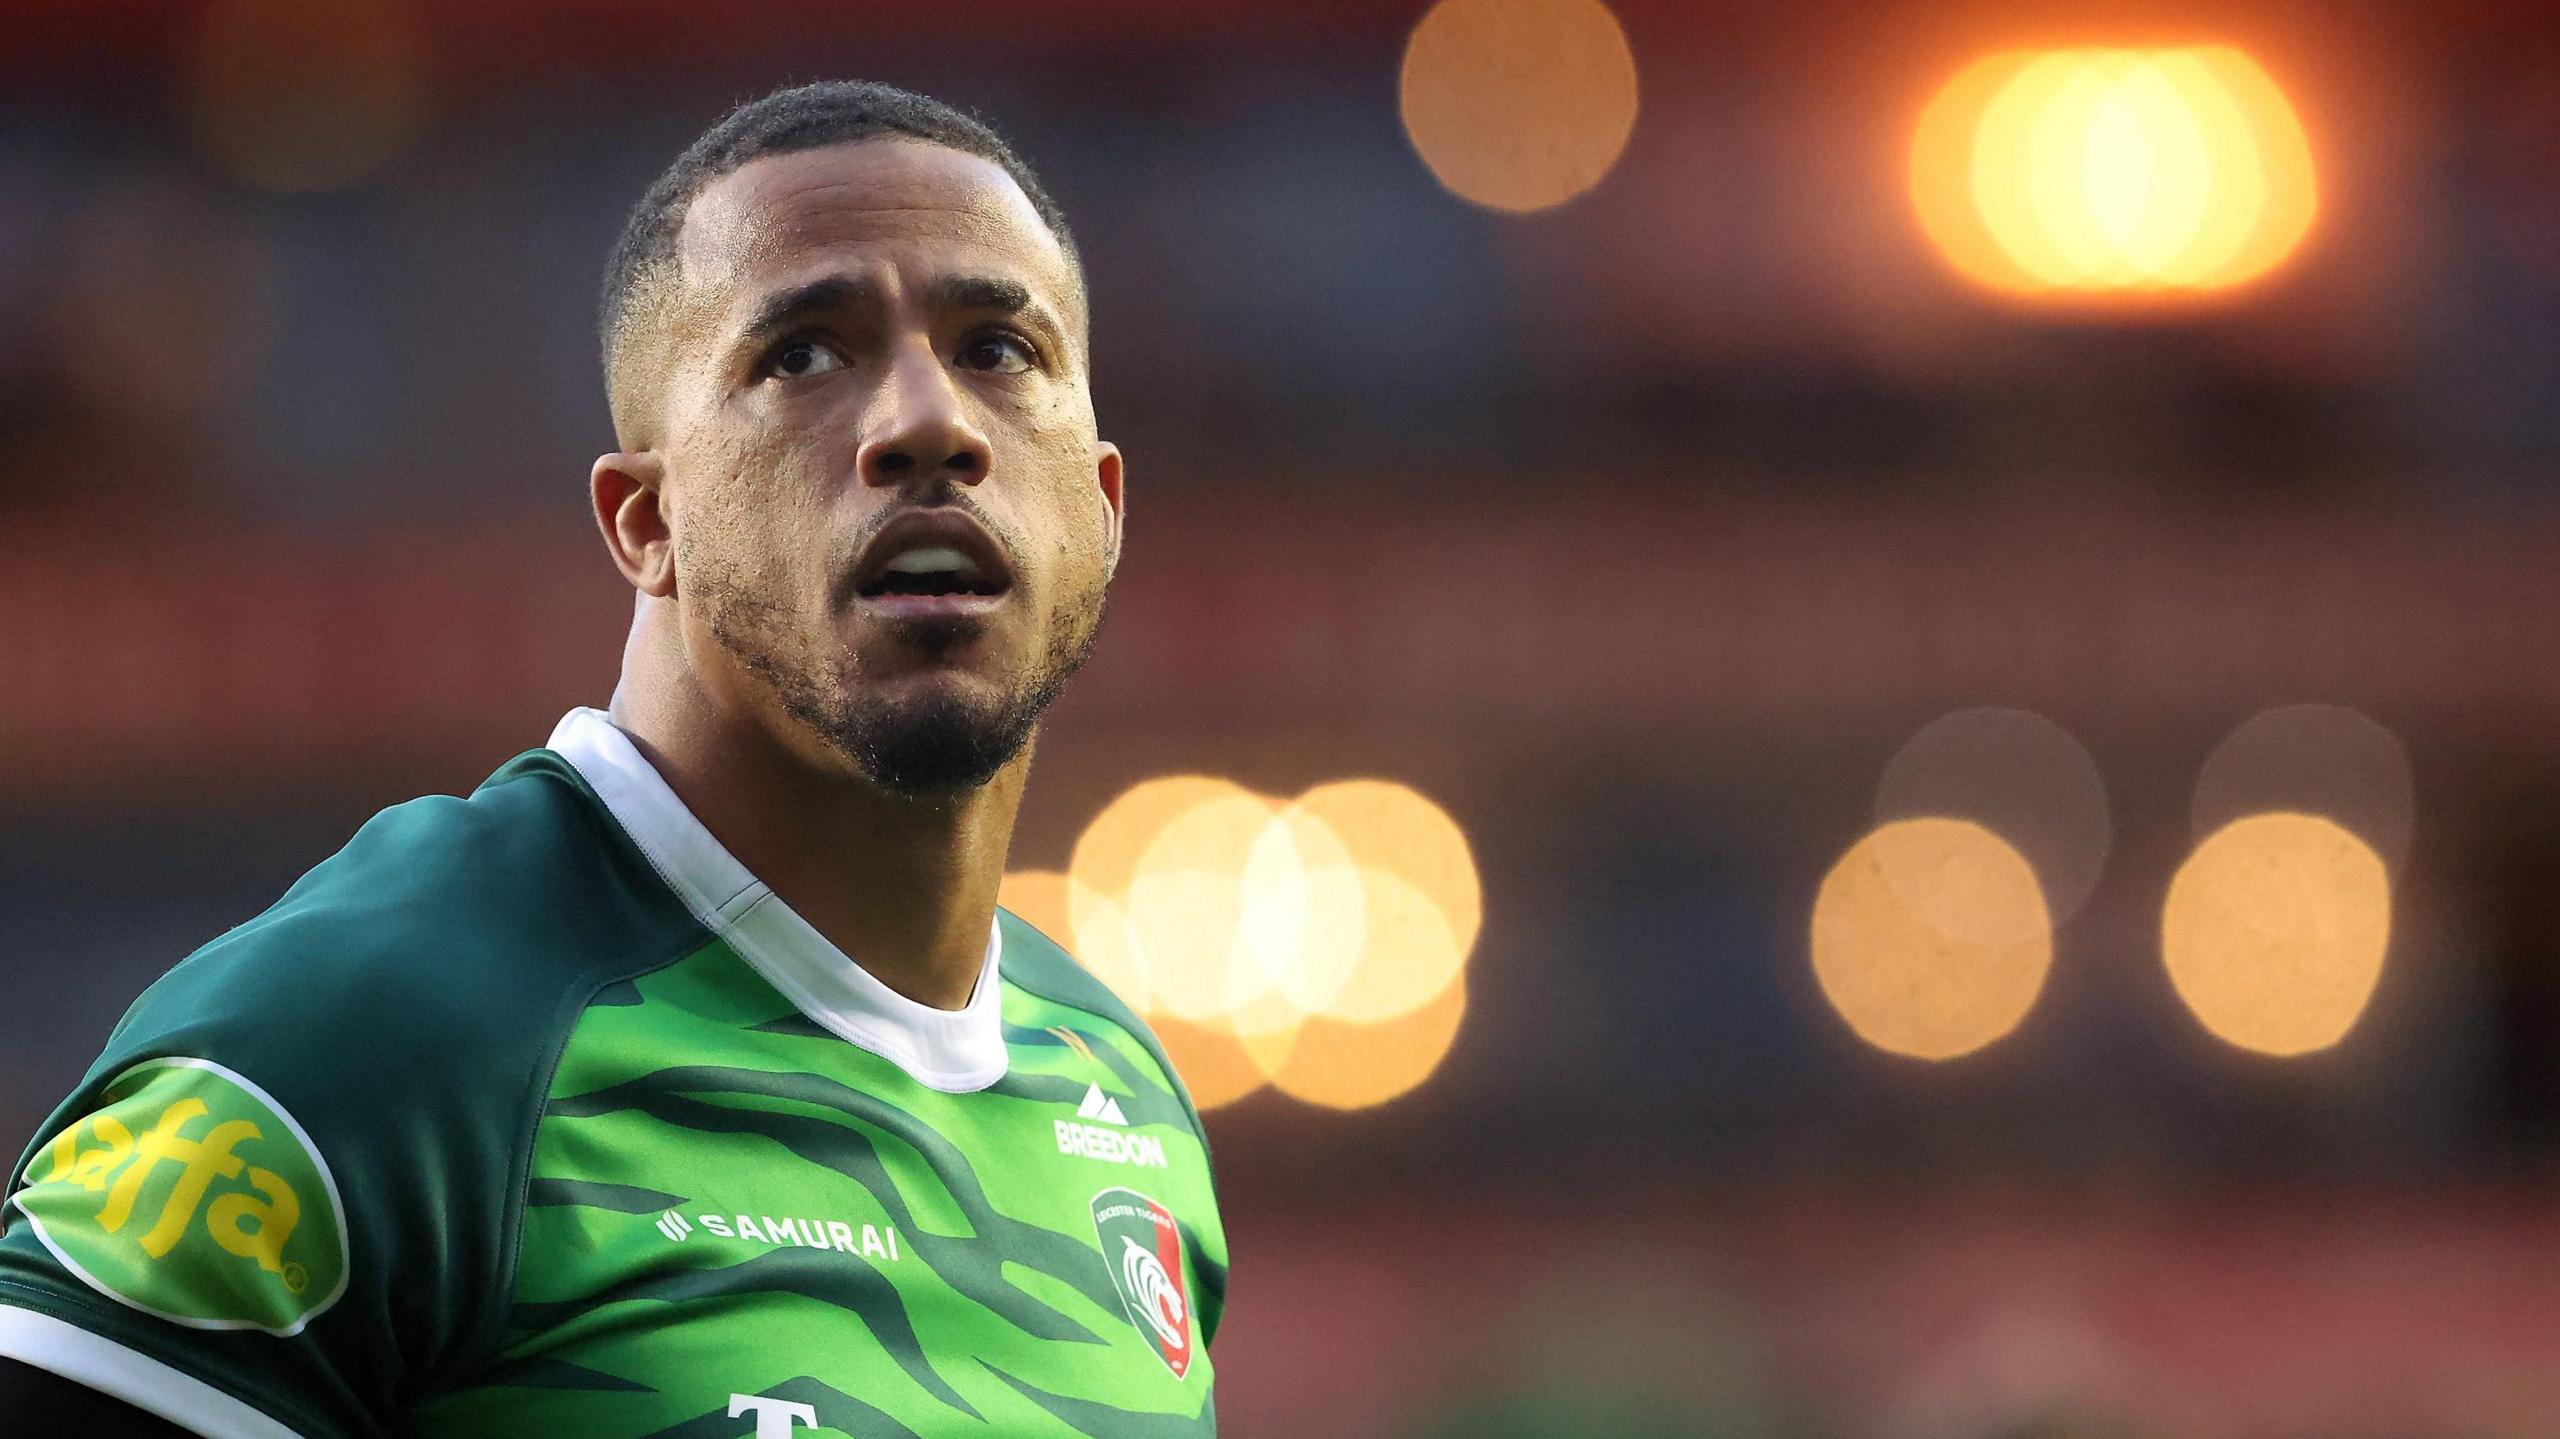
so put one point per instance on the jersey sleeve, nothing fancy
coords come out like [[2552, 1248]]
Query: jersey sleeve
[[286, 1199], [257, 1216]]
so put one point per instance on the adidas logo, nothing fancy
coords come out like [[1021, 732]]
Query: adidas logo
[[1101, 1106], [1086, 1136], [672, 1225]]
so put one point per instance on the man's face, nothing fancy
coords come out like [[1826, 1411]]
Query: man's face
[[892, 523]]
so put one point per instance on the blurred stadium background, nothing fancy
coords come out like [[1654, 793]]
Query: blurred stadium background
[[1953, 616]]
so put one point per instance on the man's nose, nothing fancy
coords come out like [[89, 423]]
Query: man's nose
[[922, 429]]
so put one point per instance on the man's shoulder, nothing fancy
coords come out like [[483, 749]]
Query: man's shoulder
[[367, 1060], [445, 917], [530, 851], [1035, 962]]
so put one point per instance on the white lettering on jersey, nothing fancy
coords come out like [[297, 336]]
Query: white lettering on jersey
[[775, 1418], [1092, 1141], [871, 1241]]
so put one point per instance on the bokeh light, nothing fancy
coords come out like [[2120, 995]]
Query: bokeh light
[[1215, 1064], [1519, 105], [2275, 931], [1354, 1066], [305, 95], [1318, 944], [1106, 861], [1422, 904], [1307, 913], [2320, 759], [1187, 904], [2113, 171], [2019, 775], [1038, 897], [1931, 938]]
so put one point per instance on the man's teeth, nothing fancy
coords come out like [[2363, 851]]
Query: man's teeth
[[933, 560]]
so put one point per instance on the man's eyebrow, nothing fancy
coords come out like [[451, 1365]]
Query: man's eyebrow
[[979, 292], [802, 303]]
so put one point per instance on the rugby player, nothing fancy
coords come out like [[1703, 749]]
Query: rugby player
[[685, 1078]]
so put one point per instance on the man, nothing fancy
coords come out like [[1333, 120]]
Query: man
[[686, 1079]]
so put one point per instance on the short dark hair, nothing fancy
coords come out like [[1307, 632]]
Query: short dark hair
[[802, 117]]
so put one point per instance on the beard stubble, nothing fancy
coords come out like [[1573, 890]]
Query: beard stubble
[[938, 744]]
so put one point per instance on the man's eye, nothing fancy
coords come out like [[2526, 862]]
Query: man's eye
[[802, 358], [998, 353]]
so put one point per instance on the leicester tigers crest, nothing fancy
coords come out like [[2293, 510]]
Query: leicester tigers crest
[[1142, 1249]]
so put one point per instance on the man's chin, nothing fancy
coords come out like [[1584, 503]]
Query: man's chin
[[939, 742]]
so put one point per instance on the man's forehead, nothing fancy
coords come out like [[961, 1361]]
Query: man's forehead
[[780, 215]]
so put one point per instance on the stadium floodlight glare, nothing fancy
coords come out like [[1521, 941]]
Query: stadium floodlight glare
[[2128, 173]]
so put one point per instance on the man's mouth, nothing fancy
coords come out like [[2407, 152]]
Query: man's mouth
[[935, 564], [931, 570]]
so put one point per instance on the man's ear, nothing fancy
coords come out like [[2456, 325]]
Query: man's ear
[[627, 489], [1108, 474]]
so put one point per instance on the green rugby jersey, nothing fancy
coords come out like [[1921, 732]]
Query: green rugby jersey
[[535, 1114]]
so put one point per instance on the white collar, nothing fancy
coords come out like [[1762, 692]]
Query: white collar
[[956, 1051]]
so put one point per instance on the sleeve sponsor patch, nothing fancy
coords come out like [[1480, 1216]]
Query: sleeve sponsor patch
[[190, 1194]]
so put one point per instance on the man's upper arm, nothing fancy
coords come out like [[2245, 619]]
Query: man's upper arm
[[277, 1202], [295, 1178]]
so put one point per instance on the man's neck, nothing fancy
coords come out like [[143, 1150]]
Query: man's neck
[[906, 887]]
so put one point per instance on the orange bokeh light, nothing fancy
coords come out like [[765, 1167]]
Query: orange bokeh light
[[1319, 943], [1038, 897], [1931, 937], [1422, 902], [1354, 1066], [1213, 1061], [2275, 931], [1190, 907], [2113, 172], [1518, 105], [1106, 861]]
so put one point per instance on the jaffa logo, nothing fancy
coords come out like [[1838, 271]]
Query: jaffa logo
[[189, 1193], [1142, 1247]]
